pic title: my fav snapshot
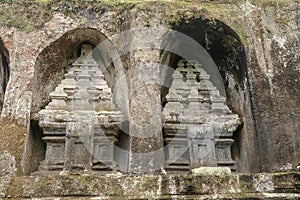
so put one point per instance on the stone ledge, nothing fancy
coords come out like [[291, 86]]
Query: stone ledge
[[247, 196], [212, 171], [184, 186]]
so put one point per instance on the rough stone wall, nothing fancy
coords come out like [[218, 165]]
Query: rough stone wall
[[273, 36], [267, 98], [117, 186]]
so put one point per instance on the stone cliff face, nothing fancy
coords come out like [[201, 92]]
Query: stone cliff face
[[255, 46], [274, 63]]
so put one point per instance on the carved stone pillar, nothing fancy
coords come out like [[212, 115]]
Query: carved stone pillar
[[146, 141], [201, 146]]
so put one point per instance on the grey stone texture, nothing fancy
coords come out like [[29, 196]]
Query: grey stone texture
[[198, 126], [80, 123], [253, 46], [116, 186]]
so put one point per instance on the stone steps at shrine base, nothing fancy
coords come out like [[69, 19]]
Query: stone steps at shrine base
[[171, 186]]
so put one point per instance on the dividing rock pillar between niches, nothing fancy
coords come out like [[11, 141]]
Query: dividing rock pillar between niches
[[146, 140]]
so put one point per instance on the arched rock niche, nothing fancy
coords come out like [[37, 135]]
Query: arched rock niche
[[228, 53], [51, 65], [54, 61], [4, 71]]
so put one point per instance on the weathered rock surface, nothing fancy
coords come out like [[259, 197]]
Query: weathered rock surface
[[254, 44], [114, 186], [274, 64], [211, 171]]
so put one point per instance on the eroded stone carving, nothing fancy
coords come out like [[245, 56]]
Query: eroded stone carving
[[198, 126], [80, 123]]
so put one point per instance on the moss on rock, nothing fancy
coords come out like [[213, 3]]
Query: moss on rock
[[12, 138]]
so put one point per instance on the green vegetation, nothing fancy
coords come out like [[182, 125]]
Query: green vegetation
[[29, 15], [271, 1]]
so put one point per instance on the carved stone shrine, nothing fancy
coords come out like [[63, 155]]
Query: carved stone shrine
[[198, 126], [81, 123]]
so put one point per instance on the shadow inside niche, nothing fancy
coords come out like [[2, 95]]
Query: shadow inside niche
[[226, 49], [236, 146], [121, 148], [4, 71], [221, 42], [35, 148]]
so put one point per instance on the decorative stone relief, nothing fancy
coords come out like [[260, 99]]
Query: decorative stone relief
[[80, 123], [198, 126]]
